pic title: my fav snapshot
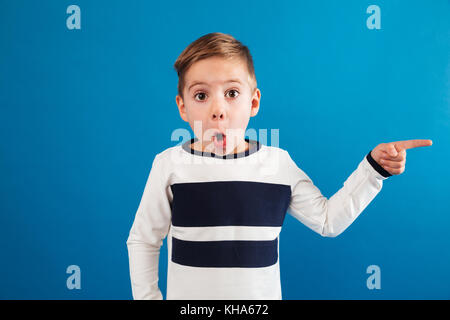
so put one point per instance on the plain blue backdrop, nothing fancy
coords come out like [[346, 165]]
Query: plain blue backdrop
[[84, 112]]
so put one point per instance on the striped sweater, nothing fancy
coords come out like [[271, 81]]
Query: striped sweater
[[222, 216]]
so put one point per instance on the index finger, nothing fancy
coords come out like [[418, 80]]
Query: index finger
[[409, 144]]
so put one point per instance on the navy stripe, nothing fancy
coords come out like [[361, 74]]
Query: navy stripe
[[225, 254], [228, 203]]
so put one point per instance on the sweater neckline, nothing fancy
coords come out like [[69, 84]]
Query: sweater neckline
[[253, 146]]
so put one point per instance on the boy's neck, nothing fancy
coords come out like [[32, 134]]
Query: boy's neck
[[242, 147]]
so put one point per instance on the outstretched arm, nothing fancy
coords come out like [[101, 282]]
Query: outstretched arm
[[330, 217]]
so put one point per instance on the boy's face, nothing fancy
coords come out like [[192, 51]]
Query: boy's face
[[213, 104]]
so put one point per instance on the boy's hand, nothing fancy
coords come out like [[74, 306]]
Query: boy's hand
[[392, 156]]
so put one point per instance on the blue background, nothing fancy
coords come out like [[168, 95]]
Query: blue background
[[84, 112]]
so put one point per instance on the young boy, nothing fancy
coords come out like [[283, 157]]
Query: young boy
[[221, 198]]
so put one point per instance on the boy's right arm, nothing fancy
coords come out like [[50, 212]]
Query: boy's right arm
[[150, 227]]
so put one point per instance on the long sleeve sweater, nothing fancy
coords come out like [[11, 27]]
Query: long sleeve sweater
[[222, 216]]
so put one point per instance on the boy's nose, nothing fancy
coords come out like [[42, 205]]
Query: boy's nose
[[218, 115], [218, 112]]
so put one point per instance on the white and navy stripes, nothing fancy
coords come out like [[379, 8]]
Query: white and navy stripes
[[223, 219], [258, 208]]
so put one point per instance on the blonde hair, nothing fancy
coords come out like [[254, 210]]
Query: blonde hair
[[215, 44]]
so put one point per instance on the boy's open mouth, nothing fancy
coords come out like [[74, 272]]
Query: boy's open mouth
[[220, 140]]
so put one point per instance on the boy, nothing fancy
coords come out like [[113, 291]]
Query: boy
[[222, 217]]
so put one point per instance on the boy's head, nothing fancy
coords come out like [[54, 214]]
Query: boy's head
[[208, 101]]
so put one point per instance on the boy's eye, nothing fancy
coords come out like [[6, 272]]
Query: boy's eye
[[201, 94], [235, 94]]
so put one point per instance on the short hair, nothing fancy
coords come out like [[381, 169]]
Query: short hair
[[211, 45]]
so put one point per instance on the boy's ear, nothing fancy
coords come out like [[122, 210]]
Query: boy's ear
[[181, 107], [255, 102]]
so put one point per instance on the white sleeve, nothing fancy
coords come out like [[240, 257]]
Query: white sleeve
[[330, 217], [150, 227]]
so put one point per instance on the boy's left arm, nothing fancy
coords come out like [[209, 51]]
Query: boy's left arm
[[330, 217]]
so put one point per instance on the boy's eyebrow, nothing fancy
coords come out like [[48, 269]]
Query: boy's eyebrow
[[200, 82]]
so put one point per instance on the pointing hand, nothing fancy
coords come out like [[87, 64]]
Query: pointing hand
[[392, 156]]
